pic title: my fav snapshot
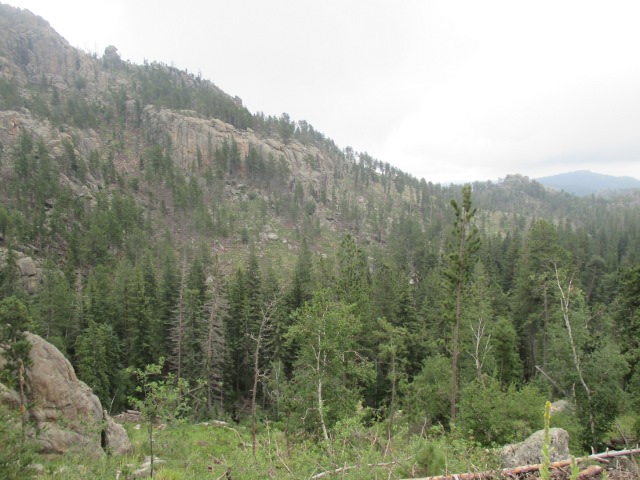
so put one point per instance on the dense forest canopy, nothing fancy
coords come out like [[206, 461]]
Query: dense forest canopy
[[288, 277]]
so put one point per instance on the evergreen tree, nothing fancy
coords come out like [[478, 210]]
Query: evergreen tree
[[9, 275], [15, 348], [505, 352], [214, 345], [533, 292], [301, 287], [462, 249], [98, 363], [54, 302], [235, 331]]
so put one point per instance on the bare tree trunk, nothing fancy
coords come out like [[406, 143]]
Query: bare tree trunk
[[264, 326], [479, 354], [319, 364], [565, 304], [392, 405], [455, 354]]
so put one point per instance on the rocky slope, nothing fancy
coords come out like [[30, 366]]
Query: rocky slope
[[44, 67]]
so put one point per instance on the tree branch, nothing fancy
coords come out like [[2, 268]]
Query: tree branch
[[513, 472]]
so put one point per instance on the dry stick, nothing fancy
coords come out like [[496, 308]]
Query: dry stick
[[511, 472], [556, 386], [266, 317]]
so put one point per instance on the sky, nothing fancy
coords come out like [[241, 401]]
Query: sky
[[449, 91]]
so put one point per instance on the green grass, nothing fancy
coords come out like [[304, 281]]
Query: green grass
[[209, 451]]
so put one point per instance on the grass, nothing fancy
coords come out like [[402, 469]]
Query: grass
[[214, 450]]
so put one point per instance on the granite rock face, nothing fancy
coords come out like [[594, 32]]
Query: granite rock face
[[29, 272], [66, 413]]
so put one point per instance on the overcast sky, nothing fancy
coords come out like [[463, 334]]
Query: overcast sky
[[446, 90]]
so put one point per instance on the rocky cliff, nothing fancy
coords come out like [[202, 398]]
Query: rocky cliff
[[46, 69]]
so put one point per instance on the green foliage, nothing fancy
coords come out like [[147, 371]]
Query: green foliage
[[16, 451], [14, 320], [161, 400], [575, 470], [498, 417], [505, 352], [431, 460], [329, 371], [427, 398], [546, 458], [10, 98], [583, 354], [54, 306], [121, 295], [99, 362]]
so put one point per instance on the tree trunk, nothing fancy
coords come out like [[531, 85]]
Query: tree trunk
[[455, 354], [545, 335], [564, 303]]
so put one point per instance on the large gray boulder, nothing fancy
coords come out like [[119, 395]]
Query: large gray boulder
[[529, 452], [66, 413]]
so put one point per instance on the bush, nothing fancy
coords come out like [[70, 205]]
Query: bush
[[497, 417], [16, 451], [427, 397]]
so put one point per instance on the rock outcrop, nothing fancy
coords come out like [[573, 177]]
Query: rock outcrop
[[66, 413], [189, 134], [529, 452], [29, 272]]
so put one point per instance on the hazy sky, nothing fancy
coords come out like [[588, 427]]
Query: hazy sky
[[446, 90]]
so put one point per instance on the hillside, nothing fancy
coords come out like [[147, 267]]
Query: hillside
[[147, 218], [584, 182]]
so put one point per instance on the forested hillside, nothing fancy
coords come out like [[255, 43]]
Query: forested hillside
[[147, 217]]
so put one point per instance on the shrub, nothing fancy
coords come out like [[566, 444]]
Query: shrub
[[498, 417]]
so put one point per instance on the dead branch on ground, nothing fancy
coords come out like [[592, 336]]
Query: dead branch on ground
[[514, 472]]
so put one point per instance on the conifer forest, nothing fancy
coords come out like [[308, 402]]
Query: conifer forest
[[202, 264]]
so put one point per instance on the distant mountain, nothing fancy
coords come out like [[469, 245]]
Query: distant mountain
[[584, 182]]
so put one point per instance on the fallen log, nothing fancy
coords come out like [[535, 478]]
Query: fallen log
[[590, 472], [514, 472]]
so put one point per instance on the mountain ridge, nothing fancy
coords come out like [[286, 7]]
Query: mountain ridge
[[586, 182]]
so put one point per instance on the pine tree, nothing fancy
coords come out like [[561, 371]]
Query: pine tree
[[214, 345], [54, 302], [533, 292], [462, 249], [98, 363], [178, 327], [15, 348]]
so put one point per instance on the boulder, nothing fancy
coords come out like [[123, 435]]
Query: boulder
[[560, 406], [29, 273], [529, 452], [116, 440], [66, 414]]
